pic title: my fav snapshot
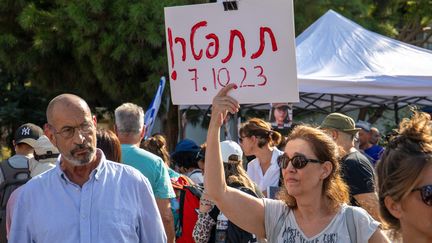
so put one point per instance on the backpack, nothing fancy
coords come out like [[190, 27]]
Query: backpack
[[185, 207], [10, 183], [235, 233]]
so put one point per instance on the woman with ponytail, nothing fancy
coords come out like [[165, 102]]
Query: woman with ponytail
[[257, 138], [405, 181]]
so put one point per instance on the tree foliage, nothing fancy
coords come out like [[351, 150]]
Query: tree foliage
[[19, 104], [308, 11], [405, 20], [112, 51], [107, 51]]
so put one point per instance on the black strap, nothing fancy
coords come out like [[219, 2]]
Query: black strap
[[194, 172], [46, 156], [195, 190]]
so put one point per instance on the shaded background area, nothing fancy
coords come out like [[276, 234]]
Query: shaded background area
[[113, 51]]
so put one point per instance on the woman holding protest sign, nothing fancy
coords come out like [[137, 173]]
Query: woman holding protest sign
[[313, 204]]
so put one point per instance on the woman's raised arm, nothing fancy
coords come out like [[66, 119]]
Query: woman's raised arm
[[240, 208]]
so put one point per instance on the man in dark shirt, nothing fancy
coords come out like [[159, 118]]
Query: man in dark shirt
[[357, 171]]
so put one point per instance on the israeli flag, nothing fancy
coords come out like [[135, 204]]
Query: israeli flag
[[151, 113]]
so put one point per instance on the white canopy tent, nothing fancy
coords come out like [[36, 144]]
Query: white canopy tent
[[342, 66], [341, 63]]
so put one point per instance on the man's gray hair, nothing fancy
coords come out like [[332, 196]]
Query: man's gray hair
[[129, 118]]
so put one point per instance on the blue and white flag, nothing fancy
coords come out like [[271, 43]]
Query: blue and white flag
[[151, 113]]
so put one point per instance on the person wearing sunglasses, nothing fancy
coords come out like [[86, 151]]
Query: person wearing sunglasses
[[257, 138], [405, 181], [85, 197], [312, 205]]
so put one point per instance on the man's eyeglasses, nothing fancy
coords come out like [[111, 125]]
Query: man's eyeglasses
[[298, 161], [69, 131], [426, 194]]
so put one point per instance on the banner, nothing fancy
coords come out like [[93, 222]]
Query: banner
[[151, 113], [253, 47]]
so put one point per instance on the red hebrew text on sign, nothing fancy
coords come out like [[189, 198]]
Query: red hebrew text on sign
[[252, 47], [212, 50]]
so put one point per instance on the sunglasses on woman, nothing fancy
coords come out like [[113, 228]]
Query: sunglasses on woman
[[298, 161], [426, 194]]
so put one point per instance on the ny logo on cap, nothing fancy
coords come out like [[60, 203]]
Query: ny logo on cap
[[25, 131]]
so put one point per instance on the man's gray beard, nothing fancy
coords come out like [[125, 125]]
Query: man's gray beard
[[84, 161]]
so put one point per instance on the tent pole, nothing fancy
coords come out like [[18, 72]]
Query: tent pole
[[181, 122], [396, 108], [332, 103], [234, 130]]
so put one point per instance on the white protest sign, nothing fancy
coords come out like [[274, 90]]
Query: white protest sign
[[253, 47]]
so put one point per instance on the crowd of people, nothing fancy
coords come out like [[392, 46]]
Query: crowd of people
[[72, 182]]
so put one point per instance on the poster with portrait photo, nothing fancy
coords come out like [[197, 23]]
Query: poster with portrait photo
[[280, 117]]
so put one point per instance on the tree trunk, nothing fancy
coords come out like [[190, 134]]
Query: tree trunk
[[362, 114], [171, 126]]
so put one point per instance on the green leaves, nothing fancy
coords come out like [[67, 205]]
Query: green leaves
[[112, 51]]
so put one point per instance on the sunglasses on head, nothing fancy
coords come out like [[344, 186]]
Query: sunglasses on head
[[298, 161], [426, 194]]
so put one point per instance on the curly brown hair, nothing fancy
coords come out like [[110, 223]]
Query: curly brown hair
[[408, 152], [326, 150]]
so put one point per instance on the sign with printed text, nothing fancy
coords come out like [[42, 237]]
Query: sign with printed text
[[253, 47]]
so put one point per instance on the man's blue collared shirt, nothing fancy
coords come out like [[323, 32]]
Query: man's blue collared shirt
[[116, 205]]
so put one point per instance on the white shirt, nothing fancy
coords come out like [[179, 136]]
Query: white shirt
[[196, 176], [38, 167], [271, 177], [116, 204]]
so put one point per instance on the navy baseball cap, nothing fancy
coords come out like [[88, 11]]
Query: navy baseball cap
[[186, 145]]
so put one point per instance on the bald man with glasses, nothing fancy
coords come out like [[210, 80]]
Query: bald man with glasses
[[85, 198]]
